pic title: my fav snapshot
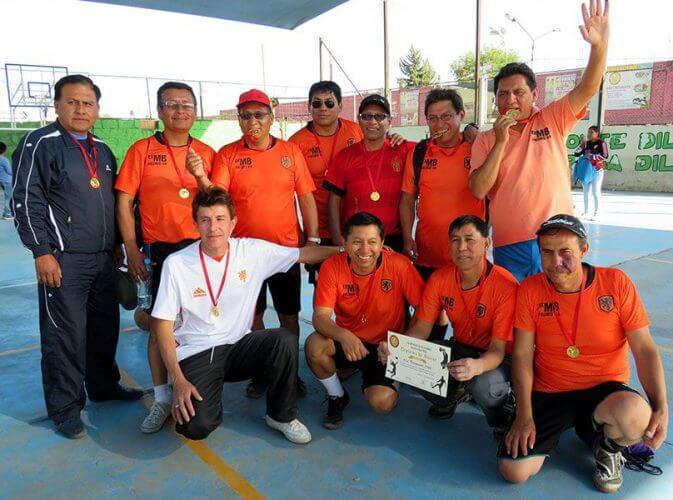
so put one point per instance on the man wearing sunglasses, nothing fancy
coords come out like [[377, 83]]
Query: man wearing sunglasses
[[262, 174], [322, 138], [155, 175], [367, 176]]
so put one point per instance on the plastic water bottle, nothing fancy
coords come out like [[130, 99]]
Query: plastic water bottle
[[145, 287]]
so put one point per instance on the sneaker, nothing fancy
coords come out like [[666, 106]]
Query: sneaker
[[8, 217], [335, 408], [73, 428], [301, 388], [446, 411], [255, 389], [294, 431], [156, 418], [608, 473]]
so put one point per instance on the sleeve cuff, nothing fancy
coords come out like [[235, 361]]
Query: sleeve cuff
[[40, 250], [334, 189]]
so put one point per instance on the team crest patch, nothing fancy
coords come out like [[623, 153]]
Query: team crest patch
[[606, 303], [396, 164], [242, 275], [386, 285], [481, 310], [467, 162], [286, 161], [199, 292]]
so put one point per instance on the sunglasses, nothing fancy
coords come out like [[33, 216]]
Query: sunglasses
[[257, 115], [367, 117], [317, 103]]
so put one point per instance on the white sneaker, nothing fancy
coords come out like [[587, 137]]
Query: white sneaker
[[294, 431], [156, 418]]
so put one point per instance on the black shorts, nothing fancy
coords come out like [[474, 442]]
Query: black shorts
[[373, 372], [312, 269], [285, 291], [394, 241], [425, 271], [555, 412], [158, 252]]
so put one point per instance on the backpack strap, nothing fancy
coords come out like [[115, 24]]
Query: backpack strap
[[419, 155]]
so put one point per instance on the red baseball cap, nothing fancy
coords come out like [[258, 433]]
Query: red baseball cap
[[254, 95]]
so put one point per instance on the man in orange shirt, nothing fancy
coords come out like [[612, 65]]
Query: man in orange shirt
[[365, 288], [479, 299], [367, 176], [440, 185], [320, 140], [574, 324], [262, 174], [154, 173], [522, 163]]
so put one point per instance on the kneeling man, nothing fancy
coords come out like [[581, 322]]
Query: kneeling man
[[365, 288], [574, 324], [213, 284]]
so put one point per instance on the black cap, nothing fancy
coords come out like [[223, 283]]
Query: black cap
[[563, 221], [377, 99]]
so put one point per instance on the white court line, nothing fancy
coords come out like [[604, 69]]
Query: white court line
[[658, 260], [18, 285]]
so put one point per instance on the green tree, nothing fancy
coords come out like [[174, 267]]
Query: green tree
[[492, 59], [417, 70]]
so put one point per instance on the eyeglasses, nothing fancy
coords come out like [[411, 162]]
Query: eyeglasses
[[446, 117], [257, 115], [317, 103], [175, 105], [367, 117]]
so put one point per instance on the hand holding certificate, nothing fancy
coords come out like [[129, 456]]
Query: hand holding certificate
[[418, 363]]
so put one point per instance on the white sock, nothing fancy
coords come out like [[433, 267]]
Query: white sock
[[163, 393], [333, 385]]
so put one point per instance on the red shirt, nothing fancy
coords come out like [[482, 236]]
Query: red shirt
[[355, 173]]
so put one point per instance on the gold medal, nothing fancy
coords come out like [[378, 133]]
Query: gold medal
[[573, 351], [94, 182], [215, 310], [184, 193], [375, 196]]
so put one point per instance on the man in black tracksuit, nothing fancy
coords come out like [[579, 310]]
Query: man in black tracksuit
[[64, 203]]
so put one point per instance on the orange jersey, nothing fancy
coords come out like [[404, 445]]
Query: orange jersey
[[365, 311], [318, 151], [443, 195], [494, 313], [533, 182], [149, 174], [262, 185], [610, 307]]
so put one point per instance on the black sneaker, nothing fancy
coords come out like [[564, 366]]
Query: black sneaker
[[73, 428], [117, 393], [335, 408], [445, 411], [301, 388], [256, 389]]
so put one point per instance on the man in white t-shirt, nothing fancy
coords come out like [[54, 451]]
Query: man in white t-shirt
[[213, 285]]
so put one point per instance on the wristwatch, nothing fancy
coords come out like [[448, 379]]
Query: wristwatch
[[314, 239]]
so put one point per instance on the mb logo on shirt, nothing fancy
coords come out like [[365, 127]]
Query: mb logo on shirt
[[547, 308], [243, 163], [430, 163], [350, 289], [541, 134], [447, 302], [157, 159]]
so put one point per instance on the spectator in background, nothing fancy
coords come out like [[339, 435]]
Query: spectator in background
[[6, 182], [596, 151]]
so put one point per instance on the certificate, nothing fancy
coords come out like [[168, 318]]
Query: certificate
[[418, 363]]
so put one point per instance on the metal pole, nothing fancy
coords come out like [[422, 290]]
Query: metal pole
[[601, 106], [201, 98], [263, 70], [149, 102], [477, 66], [386, 86], [320, 57], [532, 53]]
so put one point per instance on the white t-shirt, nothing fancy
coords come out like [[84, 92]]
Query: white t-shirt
[[183, 290]]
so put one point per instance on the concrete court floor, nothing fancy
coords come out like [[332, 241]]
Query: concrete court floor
[[404, 454]]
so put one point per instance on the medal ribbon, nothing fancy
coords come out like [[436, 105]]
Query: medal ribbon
[[378, 169], [91, 167], [472, 313], [214, 299], [371, 283], [571, 336], [175, 163]]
